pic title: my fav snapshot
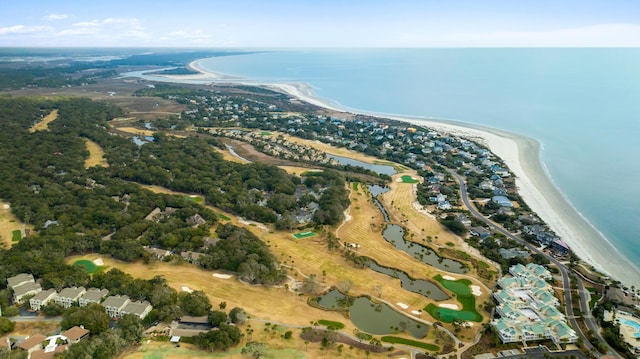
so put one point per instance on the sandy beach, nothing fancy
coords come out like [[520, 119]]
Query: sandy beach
[[521, 154]]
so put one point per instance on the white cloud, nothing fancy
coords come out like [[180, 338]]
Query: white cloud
[[23, 29], [107, 31], [54, 16], [92, 23]]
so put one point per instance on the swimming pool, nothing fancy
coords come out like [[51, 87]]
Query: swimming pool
[[632, 324]]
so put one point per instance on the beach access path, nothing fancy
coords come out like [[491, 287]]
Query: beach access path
[[582, 292]]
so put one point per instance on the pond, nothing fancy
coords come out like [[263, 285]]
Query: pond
[[379, 169], [420, 286], [371, 317], [142, 140], [394, 234], [376, 190]]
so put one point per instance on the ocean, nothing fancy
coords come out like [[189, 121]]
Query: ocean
[[582, 105]]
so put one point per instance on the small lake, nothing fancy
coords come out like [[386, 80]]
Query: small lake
[[394, 234], [377, 190], [373, 318], [419, 286], [379, 169], [142, 140]]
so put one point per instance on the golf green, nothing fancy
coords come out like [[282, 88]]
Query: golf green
[[302, 235], [87, 265]]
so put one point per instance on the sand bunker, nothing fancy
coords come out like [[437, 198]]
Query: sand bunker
[[449, 306], [448, 277], [6, 206], [222, 276], [187, 289], [475, 290], [98, 262], [416, 312], [402, 305]]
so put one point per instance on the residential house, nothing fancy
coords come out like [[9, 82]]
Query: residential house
[[445, 205], [115, 304], [41, 299], [157, 253], [191, 257], [32, 343], [139, 309], [196, 220], [486, 186], [20, 279], [464, 220], [48, 353], [24, 290], [502, 201], [479, 232], [70, 296], [76, 334], [506, 211], [92, 295], [513, 253]]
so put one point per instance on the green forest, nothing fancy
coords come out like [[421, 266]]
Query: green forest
[[102, 209]]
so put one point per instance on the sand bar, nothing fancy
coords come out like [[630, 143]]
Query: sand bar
[[520, 153]]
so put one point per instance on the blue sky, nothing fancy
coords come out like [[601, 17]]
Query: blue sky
[[321, 23]]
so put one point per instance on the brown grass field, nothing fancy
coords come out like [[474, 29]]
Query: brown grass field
[[278, 348], [227, 156], [298, 170], [44, 124], [336, 151], [96, 155], [8, 223]]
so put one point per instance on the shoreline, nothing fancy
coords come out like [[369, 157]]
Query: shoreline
[[520, 153]]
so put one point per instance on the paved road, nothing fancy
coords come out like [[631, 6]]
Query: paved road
[[584, 295]]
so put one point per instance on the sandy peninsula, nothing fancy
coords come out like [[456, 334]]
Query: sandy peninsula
[[520, 153]]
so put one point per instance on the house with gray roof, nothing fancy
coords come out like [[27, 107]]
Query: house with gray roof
[[479, 232], [70, 296], [502, 201], [115, 304], [92, 295], [139, 309], [24, 290], [20, 279], [41, 299]]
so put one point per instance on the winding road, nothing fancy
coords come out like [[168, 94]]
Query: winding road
[[566, 284]]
